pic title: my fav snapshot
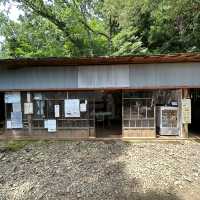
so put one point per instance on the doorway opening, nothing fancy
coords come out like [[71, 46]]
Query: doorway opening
[[2, 112], [108, 114], [194, 127]]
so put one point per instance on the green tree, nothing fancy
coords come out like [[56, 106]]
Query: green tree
[[163, 26], [127, 43], [101, 27], [74, 28]]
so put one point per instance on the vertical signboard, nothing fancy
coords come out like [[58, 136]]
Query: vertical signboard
[[186, 111]]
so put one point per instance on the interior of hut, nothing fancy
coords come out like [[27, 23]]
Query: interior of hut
[[108, 114]]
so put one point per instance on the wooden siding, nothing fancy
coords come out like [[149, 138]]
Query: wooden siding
[[139, 133]]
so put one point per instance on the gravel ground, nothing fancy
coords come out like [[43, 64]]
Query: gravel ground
[[101, 170]]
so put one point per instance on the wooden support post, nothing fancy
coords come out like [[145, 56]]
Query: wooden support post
[[92, 130], [122, 113], [29, 117], [185, 95]]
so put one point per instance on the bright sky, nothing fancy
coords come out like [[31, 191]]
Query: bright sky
[[12, 11]]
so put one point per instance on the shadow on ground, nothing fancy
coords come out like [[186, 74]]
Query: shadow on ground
[[73, 170]]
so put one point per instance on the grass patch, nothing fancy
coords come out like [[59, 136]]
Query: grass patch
[[16, 145]]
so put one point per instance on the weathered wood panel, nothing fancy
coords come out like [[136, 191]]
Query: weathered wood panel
[[103, 76], [43, 134], [165, 75], [39, 78], [136, 76]]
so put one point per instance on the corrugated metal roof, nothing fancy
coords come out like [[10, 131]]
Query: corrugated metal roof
[[64, 61]]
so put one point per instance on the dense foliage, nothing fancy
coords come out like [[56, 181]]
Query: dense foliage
[[101, 27]]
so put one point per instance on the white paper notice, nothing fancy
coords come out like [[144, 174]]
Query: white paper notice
[[16, 107], [8, 124], [28, 108], [51, 125], [72, 108], [16, 119], [57, 110], [83, 107], [12, 97], [45, 123]]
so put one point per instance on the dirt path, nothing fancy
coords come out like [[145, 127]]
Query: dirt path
[[98, 170]]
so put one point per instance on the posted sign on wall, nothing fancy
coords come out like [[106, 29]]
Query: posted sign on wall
[[186, 111]]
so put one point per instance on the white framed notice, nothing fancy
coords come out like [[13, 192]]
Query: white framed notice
[[72, 108]]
